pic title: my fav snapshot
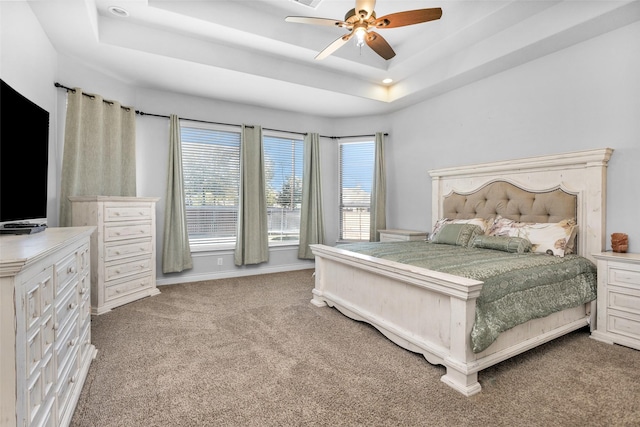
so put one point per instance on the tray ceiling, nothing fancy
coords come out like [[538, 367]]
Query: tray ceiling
[[244, 51]]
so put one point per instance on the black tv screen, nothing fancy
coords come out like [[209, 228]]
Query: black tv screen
[[24, 157]]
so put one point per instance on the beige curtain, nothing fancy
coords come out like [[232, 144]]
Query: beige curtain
[[378, 192], [99, 156], [252, 241], [176, 253], [311, 219]]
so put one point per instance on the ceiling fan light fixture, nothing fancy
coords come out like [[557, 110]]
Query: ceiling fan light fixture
[[360, 33]]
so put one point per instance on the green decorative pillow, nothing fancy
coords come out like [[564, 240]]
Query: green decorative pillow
[[517, 245], [457, 234]]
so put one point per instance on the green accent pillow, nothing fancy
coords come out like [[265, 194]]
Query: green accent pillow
[[517, 245], [457, 234]]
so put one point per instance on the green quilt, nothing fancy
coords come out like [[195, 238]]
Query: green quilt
[[517, 287]]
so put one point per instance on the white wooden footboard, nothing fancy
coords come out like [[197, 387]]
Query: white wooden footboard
[[426, 312]]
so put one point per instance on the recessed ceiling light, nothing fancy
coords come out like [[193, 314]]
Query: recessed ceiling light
[[118, 11], [387, 81]]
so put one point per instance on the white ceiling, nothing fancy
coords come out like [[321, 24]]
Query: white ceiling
[[244, 51]]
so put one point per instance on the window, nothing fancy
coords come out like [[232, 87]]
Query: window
[[211, 169], [356, 178], [283, 176]]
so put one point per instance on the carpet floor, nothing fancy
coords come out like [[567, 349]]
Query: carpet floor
[[253, 351]]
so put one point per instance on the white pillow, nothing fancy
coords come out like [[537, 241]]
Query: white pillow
[[553, 238]]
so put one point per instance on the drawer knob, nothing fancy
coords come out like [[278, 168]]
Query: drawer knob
[[72, 342], [71, 269], [72, 379], [56, 326], [117, 252], [72, 305]]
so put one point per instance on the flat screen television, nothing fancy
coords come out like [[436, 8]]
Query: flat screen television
[[24, 158]]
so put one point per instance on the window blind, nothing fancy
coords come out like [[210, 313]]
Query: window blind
[[283, 175], [211, 168], [356, 177]]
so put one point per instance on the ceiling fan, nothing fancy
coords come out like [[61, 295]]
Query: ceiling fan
[[362, 19]]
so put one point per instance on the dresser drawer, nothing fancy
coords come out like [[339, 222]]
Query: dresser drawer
[[123, 232], [113, 252], [84, 258], [34, 396], [65, 387], [39, 294], [119, 271], [65, 310], [130, 286], [66, 269], [66, 348], [126, 212], [48, 374], [84, 286], [48, 333], [34, 350]]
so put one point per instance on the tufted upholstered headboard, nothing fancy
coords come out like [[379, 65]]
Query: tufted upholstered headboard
[[510, 201], [536, 189]]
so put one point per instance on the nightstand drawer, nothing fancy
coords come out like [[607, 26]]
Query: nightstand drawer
[[624, 299], [624, 275], [624, 324]]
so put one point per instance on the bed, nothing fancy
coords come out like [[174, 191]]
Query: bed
[[432, 312]]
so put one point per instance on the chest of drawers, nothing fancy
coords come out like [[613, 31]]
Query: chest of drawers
[[618, 308], [45, 325], [123, 248]]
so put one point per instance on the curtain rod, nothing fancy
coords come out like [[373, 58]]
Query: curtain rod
[[142, 113], [106, 101]]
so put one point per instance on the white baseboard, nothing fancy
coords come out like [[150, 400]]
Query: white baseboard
[[234, 273]]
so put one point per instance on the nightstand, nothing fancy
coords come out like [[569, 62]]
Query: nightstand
[[618, 308], [401, 235]]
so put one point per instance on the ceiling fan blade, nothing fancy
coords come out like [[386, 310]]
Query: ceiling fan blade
[[366, 5], [337, 44], [408, 17], [379, 45], [315, 21]]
